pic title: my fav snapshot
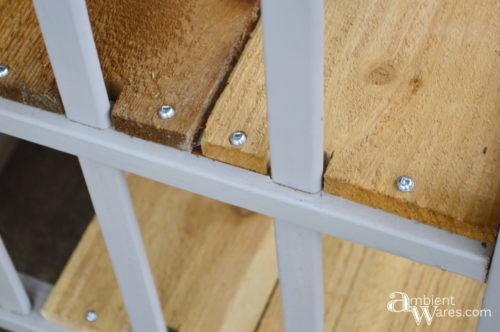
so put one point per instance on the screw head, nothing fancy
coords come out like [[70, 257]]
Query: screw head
[[405, 184], [166, 112], [238, 138], [91, 316], [4, 71]]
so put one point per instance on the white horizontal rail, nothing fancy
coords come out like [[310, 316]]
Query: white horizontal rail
[[321, 212], [33, 321]]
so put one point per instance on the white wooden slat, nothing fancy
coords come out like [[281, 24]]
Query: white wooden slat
[[293, 50], [70, 44]]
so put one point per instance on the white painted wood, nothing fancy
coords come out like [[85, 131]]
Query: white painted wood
[[491, 299], [293, 53], [68, 37], [33, 321], [13, 297], [300, 263], [113, 206], [293, 50], [300, 255], [320, 212]]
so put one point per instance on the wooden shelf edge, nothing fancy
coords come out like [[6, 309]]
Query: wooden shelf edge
[[214, 266], [402, 97]]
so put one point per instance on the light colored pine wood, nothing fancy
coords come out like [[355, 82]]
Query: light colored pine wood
[[423, 101], [214, 265], [411, 88], [152, 53], [358, 281], [241, 107]]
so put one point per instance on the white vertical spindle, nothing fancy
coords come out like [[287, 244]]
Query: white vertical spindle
[[293, 47], [68, 37]]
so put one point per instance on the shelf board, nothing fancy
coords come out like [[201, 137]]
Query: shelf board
[[152, 53], [411, 88], [358, 281], [214, 266]]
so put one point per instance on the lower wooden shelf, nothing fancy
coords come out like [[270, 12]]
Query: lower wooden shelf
[[214, 266], [410, 89], [358, 281], [215, 269]]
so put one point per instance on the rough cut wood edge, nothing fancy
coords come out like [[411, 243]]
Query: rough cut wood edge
[[407, 208], [214, 266], [358, 281], [409, 90], [152, 53], [419, 99]]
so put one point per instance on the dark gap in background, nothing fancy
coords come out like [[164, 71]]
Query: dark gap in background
[[44, 209]]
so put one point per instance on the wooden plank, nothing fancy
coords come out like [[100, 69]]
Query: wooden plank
[[152, 53], [241, 107], [410, 89], [425, 104], [22, 49], [214, 265], [172, 52], [358, 281]]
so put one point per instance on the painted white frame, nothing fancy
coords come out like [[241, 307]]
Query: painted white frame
[[302, 214], [38, 291], [293, 52]]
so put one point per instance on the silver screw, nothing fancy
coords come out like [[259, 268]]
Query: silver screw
[[4, 71], [405, 184], [166, 112], [238, 138], [91, 316]]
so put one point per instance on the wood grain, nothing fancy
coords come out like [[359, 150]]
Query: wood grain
[[152, 53], [174, 53], [241, 107], [22, 49], [411, 88], [358, 281], [214, 266]]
